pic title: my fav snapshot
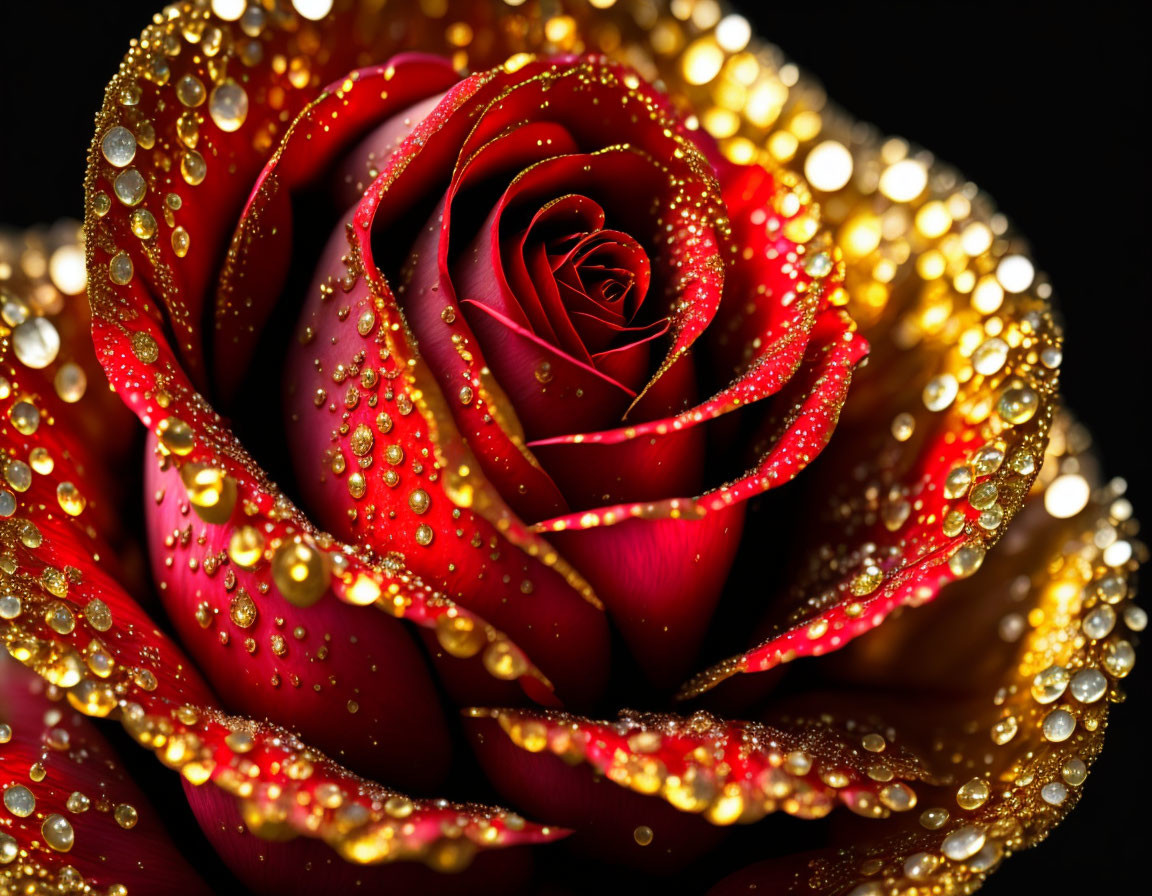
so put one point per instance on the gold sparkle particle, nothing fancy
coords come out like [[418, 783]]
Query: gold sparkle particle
[[144, 347]]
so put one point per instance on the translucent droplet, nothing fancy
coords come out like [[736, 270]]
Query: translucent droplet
[[58, 833], [1119, 658], [963, 843], [1088, 685], [246, 546], [940, 392], [990, 356], [920, 866], [130, 187], [190, 91], [120, 268], [36, 342], [1099, 622], [973, 794], [193, 168], [19, 800], [228, 106], [1049, 686], [1004, 730], [1018, 405], [300, 572], [419, 501], [1075, 772], [1053, 793], [143, 223], [118, 146], [966, 560], [1058, 725], [180, 241], [934, 819], [71, 382], [903, 425]]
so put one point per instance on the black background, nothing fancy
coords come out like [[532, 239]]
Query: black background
[[1040, 108]]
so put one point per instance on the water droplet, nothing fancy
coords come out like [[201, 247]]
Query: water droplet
[[118, 146], [36, 342], [228, 106]]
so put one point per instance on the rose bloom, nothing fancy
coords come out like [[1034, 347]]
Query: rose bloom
[[559, 372]]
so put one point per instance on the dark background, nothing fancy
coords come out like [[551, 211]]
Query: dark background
[[1040, 108]]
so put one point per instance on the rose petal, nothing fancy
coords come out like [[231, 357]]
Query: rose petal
[[720, 772], [254, 277], [308, 868], [900, 527], [298, 666], [368, 459], [85, 812], [70, 622], [1025, 719]]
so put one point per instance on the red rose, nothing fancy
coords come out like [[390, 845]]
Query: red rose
[[545, 348]]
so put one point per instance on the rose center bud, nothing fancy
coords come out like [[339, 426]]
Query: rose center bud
[[577, 287]]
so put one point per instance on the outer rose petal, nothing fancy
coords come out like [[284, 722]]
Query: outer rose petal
[[703, 769], [255, 276], [54, 757], [68, 619], [1024, 723], [296, 666], [278, 867], [935, 452]]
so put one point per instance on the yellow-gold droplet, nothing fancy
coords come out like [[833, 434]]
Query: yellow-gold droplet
[[419, 501], [973, 794], [246, 546], [58, 833], [363, 591], [643, 835], [966, 560], [125, 816], [242, 609], [504, 660], [1018, 405], [211, 493], [70, 499], [300, 572], [459, 635], [175, 436]]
